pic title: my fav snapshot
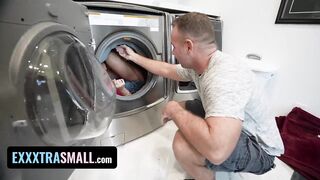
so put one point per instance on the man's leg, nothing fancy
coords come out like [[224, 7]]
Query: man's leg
[[190, 159], [247, 156]]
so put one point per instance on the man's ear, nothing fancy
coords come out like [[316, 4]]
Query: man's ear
[[188, 45]]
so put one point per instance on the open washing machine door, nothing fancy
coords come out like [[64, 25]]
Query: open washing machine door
[[52, 88], [68, 97]]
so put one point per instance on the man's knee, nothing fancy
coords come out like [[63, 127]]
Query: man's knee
[[179, 146]]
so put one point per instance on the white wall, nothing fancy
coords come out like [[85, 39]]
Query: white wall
[[249, 28]]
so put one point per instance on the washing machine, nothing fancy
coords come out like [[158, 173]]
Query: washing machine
[[53, 91], [145, 31]]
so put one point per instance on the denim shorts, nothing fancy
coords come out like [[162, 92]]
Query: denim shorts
[[133, 86], [247, 156]]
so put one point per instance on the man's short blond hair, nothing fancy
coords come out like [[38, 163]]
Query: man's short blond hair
[[197, 26]]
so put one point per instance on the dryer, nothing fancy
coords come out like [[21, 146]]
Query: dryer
[[145, 31], [52, 92]]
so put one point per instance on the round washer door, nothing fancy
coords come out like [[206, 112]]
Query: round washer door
[[153, 90], [68, 96]]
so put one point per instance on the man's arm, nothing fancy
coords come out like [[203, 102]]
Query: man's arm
[[215, 138], [156, 67]]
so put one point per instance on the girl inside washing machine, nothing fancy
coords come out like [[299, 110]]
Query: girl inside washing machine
[[127, 77]]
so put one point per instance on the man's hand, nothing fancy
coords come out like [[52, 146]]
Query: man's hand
[[170, 108], [126, 52]]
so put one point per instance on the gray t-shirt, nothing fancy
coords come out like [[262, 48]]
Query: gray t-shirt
[[228, 88]]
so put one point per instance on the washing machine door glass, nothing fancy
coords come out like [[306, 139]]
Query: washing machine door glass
[[69, 97]]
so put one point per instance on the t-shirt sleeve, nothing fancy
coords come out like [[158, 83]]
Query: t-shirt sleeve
[[226, 92], [183, 73]]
